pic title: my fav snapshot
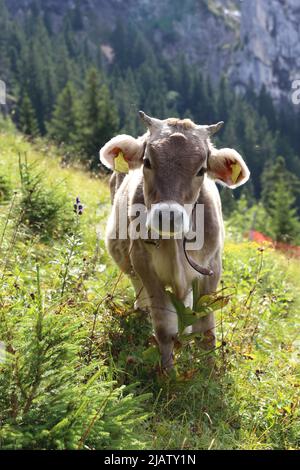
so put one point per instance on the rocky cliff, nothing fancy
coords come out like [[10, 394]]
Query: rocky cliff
[[254, 41], [270, 45]]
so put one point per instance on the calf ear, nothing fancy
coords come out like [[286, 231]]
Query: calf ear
[[227, 167], [131, 148]]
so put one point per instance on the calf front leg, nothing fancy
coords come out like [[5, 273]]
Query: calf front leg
[[141, 301], [163, 313], [165, 323], [206, 326]]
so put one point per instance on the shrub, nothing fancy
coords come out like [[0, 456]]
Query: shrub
[[42, 208], [51, 395], [5, 189]]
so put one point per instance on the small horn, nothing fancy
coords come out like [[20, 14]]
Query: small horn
[[214, 128], [149, 121]]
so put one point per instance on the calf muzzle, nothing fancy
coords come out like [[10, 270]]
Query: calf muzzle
[[168, 219]]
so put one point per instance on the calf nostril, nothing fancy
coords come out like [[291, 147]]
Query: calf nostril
[[172, 222], [160, 220]]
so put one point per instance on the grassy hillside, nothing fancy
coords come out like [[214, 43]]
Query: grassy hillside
[[80, 368]]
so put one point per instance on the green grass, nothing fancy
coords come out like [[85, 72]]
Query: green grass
[[80, 368]]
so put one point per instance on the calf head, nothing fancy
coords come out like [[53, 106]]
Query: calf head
[[176, 156]]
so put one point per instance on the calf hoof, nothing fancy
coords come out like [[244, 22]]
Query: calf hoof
[[167, 363], [141, 306], [207, 341]]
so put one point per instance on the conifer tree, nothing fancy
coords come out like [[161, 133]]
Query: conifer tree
[[285, 222], [266, 107], [224, 100], [126, 95], [228, 201], [27, 121], [200, 100], [99, 119], [274, 172], [64, 123], [280, 188]]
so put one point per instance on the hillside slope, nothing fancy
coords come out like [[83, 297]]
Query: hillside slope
[[76, 349]]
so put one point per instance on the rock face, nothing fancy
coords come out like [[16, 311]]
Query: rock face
[[270, 52], [255, 41]]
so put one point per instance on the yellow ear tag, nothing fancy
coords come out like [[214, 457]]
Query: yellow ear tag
[[120, 163], [235, 172]]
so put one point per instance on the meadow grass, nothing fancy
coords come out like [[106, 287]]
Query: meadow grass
[[81, 365]]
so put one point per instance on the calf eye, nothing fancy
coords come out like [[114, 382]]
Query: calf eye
[[147, 163], [201, 172]]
